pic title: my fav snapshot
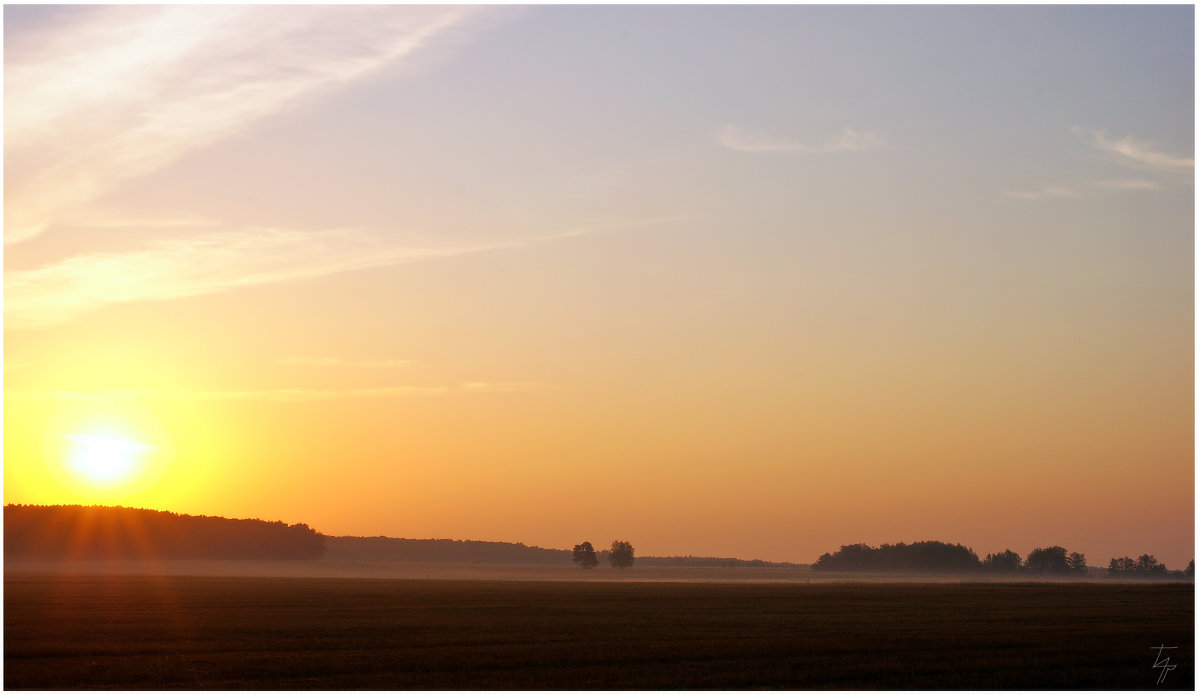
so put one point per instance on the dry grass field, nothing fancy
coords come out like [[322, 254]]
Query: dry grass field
[[219, 632]]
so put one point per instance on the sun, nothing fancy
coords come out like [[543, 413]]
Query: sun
[[104, 461]]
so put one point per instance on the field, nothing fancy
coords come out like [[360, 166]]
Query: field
[[98, 631]]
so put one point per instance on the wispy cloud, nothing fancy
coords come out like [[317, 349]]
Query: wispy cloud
[[1046, 192], [1125, 151], [1084, 190], [1132, 153], [314, 361], [845, 140], [1128, 185], [290, 395], [848, 140], [126, 90], [119, 92], [215, 261], [740, 140]]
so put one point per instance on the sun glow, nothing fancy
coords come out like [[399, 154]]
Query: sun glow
[[103, 461]]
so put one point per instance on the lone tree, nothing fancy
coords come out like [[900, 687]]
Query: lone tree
[[620, 555], [584, 555]]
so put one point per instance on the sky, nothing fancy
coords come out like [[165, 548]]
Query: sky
[[718, 280]]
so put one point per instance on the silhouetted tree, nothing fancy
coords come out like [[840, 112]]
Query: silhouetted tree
[[857, 557], [1077, 562], [113, 533], [1148, 564], [1190, 572], [922, 556], [1145, 566], [932, 556], [621, 555], [584, 555], [1119, 566], [1052, 560], [1007, 561], [384, 549]]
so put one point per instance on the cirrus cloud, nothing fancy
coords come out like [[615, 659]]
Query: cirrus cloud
[[120, 92], [219, 260], [1085, 189], [1131, 152], [844, 140], [1160, 168]]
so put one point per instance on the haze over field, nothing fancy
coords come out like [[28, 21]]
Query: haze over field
[[729, 281]]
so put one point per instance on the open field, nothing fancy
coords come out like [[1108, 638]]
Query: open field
[[168, 632], [415, 570], [363, 569]]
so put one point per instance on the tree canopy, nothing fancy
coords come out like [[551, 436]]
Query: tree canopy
[[620, 555], [933, 556], [121, 533], [1055, 560], [1144, 566], [584, 555], [1007, 561]]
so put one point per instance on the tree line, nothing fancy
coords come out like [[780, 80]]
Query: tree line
[[710, 561], [935, 556], [77, 532], [384, 549], [1147, 566]]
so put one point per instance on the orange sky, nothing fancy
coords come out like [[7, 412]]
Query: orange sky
[[555, 274]]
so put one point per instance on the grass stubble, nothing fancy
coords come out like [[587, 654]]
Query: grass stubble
[[172, 632]]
